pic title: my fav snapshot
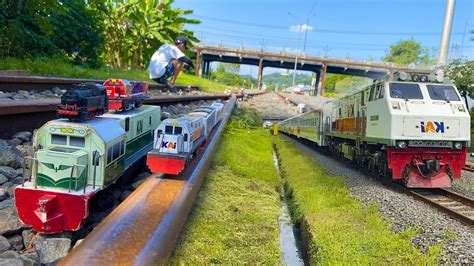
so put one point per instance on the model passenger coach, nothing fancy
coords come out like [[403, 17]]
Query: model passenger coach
[[414, 128]]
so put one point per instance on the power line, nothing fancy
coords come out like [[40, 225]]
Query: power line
[[329, 31]]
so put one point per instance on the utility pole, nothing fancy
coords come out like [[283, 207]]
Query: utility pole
[[446, 33]]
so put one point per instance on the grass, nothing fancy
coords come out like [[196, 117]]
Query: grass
[[340, 230], [235, 219], [60, 68]]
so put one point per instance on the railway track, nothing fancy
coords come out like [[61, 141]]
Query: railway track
[[447, 201], [31, 114], [11, 83]]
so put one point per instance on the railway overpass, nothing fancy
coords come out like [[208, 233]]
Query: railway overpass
[[206, 54]]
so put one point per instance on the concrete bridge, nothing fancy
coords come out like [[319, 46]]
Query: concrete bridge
[[319, 65]]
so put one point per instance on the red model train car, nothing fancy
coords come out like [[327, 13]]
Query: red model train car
[[125, 95]]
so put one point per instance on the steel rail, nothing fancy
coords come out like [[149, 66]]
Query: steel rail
[[31, 114], [443, 200], [11, 83], [144, 228], [424, 196]]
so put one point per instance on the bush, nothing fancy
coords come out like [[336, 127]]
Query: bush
[[245, 119]]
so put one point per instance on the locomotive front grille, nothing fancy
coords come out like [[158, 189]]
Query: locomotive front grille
[[430, 143]]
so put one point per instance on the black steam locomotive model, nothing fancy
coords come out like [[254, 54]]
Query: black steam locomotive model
[[83, 101]]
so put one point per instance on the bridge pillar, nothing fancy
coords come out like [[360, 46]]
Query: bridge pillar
[[259, 75], [198, 62], [323, 78], [316, 84], [203, 70], [208, 70]]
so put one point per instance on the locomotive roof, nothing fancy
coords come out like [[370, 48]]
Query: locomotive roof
[[131, 112], [108, 129]]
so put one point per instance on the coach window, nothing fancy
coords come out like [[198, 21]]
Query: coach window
[[122, 147], [77, 141], [168, 130], [109, 155], [381, 91], [58, 139], [127, 124], [116, 151], [372, 92]]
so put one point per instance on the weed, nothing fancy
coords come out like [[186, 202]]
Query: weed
[[234, 221], [340, 230]]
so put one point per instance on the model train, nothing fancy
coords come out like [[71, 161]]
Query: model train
[[87, 100], [125, 95], [83, 101], [74, 160], [177, 139], [413, 128]]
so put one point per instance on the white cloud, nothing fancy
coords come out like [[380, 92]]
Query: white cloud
[[301, 28]]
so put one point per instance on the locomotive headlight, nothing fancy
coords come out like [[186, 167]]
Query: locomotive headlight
[[402, 144], [458, 145], [461, 108], [396, 105]]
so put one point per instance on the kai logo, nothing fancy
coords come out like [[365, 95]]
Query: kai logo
[[432, 126], [168, 145], [56, 169]]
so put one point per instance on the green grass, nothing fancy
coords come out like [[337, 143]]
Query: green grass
[[60, 68], [235, 219], [340, 230]]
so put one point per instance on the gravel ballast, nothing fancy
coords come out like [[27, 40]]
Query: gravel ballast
[[404, 212]]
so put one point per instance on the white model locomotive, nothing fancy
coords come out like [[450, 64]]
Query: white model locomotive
[[177, 139], [413, 128]]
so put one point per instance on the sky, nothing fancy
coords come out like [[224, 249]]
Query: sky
[[357, 29]]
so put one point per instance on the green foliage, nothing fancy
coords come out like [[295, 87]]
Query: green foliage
[[25, 27], [339, 228], [59, 67], [461, 72], [271, 80], [331, 81], [407, 52], [49, 28], [135, 29], [234, 220], [229, 74], [244, 118]]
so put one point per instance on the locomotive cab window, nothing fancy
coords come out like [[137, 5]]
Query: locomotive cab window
[[77, 141], [169, 130], [58, 139], [178, 130], [405, 91], [185, 138], [127, 124], [442, 92]]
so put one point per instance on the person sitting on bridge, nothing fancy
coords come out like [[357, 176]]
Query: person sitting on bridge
[[168, 61]]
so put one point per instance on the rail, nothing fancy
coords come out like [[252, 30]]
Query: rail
[[31, 114], [11, 83], [457, 206], [145, 227]]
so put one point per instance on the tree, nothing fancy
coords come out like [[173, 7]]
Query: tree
[[404, 53], [331, 81], [134, 29], [461, 72], [25, 27]]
